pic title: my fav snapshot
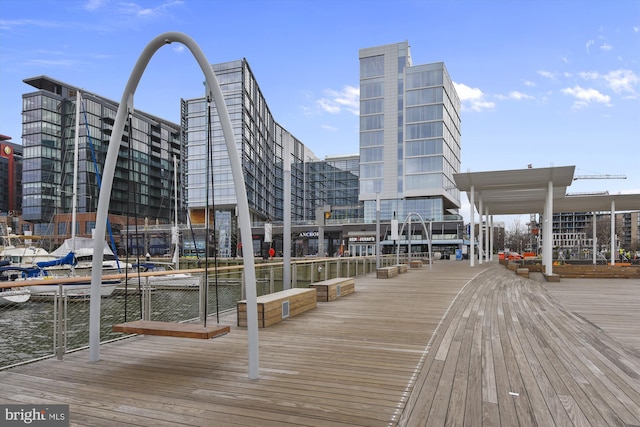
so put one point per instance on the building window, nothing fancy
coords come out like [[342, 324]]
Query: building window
[[372, 66]]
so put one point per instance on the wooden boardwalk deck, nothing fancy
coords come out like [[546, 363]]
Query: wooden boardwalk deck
[[452, 345]]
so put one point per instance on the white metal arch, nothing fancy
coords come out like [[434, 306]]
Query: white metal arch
[[424, 227], [125, 107]]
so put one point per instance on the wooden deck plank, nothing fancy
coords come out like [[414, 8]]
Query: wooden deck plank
[[478, 346]]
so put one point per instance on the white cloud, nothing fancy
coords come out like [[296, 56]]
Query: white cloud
[[134, 9], [6, 24], [586, 96], [589, 43], [605, 46], [588, 75], [529, 83], [618, 80], [622, 80], [347, 99], [329, 128], [519, 95], [547, 74], [472, 98], [94, 4], [179, 48]]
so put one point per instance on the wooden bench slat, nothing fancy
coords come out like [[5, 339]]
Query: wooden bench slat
[[171, 329]]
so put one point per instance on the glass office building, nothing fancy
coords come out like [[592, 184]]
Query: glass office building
[[334, 181], [409, 136], [261, 145], [143, 182]]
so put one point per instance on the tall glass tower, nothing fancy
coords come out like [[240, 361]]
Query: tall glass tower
[[409, 136], [261, 144]]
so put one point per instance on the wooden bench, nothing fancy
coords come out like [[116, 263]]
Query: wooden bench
[[386, 272], [275, 307], [171, 329], [513, 266], [402, 268], [332, 289], [415, 264], [523, 272]]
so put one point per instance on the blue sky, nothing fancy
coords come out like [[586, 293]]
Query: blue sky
[[547, 83]]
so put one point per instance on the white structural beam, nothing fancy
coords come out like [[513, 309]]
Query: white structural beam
[[547, 230], [125, 107], [491, 238], [481, 221], [472, 226], [613, 232], [487, 231], [595, 237]]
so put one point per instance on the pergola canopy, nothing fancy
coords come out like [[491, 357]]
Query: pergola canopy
[[524, 191]]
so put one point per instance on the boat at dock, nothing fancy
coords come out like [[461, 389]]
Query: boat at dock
[[172, 280]]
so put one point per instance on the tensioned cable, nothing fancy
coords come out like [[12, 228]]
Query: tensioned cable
[[213, 203], [99, 182]]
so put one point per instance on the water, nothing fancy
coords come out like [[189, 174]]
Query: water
[[27, 329]]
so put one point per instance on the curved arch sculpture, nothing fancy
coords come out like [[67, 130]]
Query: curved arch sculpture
[[424, 227], [125, 107]]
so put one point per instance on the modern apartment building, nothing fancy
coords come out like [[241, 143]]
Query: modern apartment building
[[573, 232], [143, 184], [409, 136], [261, 144]]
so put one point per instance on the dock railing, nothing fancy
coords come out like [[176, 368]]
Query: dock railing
[[53, 323]]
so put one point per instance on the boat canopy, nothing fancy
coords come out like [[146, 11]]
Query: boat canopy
[[68, 259], [81, 246]]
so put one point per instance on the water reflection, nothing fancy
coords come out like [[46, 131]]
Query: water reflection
[[27, 329]]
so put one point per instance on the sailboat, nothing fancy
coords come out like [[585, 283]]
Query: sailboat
[[12, 295], [169, 280]]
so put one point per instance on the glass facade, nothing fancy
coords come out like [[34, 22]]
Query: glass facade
[[409, 135], [260, 142], [334, 181], [143, 181]]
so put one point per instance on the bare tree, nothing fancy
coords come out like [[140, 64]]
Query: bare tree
[[603, 230], [517, 236]]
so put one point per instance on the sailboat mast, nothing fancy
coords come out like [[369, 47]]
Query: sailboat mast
[[74, 193]]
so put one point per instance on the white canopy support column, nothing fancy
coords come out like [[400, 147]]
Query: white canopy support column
[[595, 238], [491, 239], [472, 227], [547, 232], [480, 239], [126, 104], [613, 232], [487, 232]]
